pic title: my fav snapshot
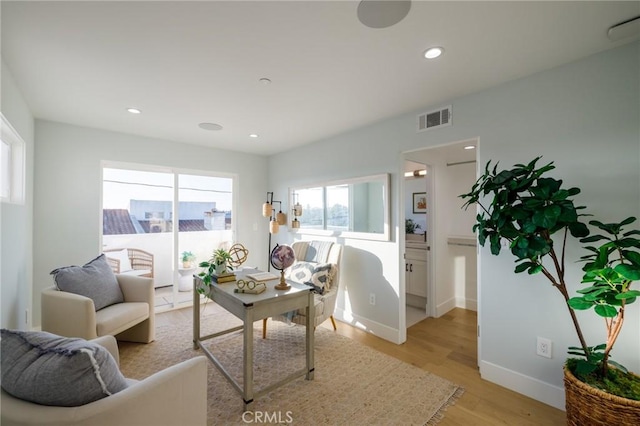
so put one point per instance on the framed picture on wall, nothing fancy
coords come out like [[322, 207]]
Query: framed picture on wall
[[419, 202]]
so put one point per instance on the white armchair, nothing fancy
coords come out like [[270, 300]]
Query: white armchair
[[325, 303], [174, 396], [72, 315]]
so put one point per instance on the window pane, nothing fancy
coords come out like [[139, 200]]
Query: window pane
[[311, 200], [338, 207], [136, 202], [205, 199]]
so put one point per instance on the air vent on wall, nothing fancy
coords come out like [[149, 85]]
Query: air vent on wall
[[434, 119]]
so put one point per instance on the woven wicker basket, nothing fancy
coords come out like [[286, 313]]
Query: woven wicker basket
[[588, 406]]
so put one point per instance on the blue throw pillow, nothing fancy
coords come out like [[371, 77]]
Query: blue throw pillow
[[51, 370], [94, 280]]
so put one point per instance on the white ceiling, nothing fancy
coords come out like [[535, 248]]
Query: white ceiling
[[183, 63]]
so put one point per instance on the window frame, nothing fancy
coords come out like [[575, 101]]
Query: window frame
[[16, 191]]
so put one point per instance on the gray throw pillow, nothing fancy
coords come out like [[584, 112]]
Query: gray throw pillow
[[94, 280], [51, 370], [316, 275]]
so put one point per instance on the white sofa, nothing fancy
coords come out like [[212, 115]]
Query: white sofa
[[174, 396], [72, 315]]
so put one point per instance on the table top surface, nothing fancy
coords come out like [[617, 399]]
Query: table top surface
[[270, 293]]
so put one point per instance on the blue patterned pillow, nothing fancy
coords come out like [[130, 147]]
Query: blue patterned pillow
[[51, 370], [316, 275]]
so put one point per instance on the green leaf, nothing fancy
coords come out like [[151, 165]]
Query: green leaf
[[611, 228], [632, 256], [579, 303], [578, 229], [618, 366], [631, 294], [628, 221], [628, 242], [606, 311], [535, 269], [495, 244], [630, 272], [523, 267], [547, 217], [593, 238]]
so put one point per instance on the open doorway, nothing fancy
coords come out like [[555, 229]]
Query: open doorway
[[449, 253], [416, 207]]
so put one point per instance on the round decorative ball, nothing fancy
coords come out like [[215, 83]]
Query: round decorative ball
[[282, 256], [238, 255]]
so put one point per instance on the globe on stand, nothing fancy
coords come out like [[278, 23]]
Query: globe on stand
[[282, 256]]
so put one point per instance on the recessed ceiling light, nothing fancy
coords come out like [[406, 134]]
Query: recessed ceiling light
[[210, 126], [433, 52], [470, 147], [265, 81], [253, 135], [134, 110]]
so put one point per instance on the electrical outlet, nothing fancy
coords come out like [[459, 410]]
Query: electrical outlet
[[372, 298], [543, 347]]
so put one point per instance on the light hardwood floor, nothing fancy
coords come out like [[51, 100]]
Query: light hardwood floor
[[447, 346]]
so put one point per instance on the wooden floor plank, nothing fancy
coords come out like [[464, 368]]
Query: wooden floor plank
[[447, 346]]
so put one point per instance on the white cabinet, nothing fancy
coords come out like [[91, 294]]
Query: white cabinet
[[416, 271]]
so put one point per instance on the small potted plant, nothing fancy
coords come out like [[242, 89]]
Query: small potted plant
[[187, 259], [528, 210], [410, 226], [218, 264]]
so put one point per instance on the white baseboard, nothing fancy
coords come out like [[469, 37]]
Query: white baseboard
[[370, 326], [533, 388], [470, 304], [445, 307]]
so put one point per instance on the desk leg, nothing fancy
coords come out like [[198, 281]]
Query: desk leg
[[310, 336], [247, 362], [196, 314]]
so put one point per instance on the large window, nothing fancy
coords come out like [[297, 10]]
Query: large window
[[356, 208], [12, 165], [167, 213]]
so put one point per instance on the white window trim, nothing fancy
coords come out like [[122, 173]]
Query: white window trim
[[17, 146]]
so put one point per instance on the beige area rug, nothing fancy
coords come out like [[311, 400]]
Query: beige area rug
[[353, 384]]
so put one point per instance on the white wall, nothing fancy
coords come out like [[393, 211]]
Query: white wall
[[16, 220], [68, 188], [583, 116], [412, 185]]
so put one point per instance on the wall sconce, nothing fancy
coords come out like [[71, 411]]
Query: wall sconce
[[267, 208], [416, 173], [274, 227], [275, 220], [281, 218], [296, 211], [297, 207]]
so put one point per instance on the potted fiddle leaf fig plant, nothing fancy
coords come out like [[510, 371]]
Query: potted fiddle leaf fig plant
[[536, 215]]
